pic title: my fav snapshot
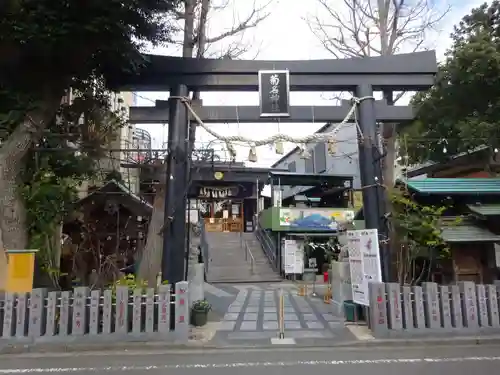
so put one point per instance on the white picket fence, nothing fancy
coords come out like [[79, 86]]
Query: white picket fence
[[96, 314], [465, 306]]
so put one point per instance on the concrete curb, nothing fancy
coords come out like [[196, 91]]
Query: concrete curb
[[194, 345]]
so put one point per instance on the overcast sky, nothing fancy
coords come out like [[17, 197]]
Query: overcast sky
[[284, 35]]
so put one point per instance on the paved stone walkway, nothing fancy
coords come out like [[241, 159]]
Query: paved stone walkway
[[253, 315]]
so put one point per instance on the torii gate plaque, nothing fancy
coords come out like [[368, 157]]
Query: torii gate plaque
[[361, 76], [274, 93]]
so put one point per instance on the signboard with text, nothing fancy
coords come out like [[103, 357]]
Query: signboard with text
[[314, 219], [359, 294], [293, 254], [370, 253], [274, 93], [364, 261]]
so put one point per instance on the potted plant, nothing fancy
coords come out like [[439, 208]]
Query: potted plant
[[199, 312]]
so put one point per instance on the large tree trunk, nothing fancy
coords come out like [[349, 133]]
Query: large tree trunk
[[12, 211], [151, 255]]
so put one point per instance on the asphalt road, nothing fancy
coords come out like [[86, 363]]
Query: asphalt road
[[280, 361]]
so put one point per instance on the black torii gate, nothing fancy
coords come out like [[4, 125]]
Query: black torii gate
[[361, 76]]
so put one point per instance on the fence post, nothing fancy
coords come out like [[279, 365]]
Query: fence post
[[395, 315], [378, 308], [445, 306], [182, 311], [457, 318], [431, 304], [121, 312], [37, 313], [137, 311], [95, 298], [50, 329], [107, 311], [469, 304], [409, 321], [21, 314], [418, 307], [164, 308], [481, 306], [150, 310], [64, 314], [9, 316], [80, 297], [492, 299]]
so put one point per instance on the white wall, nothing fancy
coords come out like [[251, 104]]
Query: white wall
[[344, 162]]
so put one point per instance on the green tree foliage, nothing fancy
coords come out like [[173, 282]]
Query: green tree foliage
[[47, 47], [462, 110], [418, 228], [45, 43]]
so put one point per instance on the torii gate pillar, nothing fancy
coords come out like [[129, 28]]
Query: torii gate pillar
[[371, 173], [172, 264]]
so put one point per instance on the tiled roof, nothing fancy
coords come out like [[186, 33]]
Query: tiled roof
[[485, 209], [468, 233]]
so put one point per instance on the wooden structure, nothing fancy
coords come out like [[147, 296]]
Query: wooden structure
[[224, 194], [225, 206], [483, 162], [473, 239], [106, 236]]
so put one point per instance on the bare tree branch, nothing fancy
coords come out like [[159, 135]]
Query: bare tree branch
[[362, 28], [256, 16], [231, 43]]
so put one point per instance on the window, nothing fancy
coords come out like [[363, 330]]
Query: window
[[292, 167]]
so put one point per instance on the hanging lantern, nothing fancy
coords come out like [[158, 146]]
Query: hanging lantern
[[279, 147], [252, 155]]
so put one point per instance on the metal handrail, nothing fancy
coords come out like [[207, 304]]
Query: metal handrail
[[267, 244], [244, 246], [252, 259]]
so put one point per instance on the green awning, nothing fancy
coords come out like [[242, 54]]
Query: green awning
[[485, 209], [468, 233], [463, 186]]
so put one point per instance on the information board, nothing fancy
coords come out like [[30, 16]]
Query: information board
[[364, 262], [356, 266], [293, 257], [370, 252]]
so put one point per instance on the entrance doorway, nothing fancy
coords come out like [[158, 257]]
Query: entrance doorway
[[223, 215]]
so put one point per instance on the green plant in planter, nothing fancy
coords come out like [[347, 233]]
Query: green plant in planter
[[199, 312]]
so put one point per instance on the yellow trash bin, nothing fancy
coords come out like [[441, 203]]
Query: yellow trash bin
[[20, 270]]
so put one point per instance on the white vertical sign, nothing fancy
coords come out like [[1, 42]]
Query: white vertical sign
[[290, 251], [364, 261], [359, 294], [299, 258], [293, 254], [370, 252]]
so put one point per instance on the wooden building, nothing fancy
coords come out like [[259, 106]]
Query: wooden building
[[106, 236]]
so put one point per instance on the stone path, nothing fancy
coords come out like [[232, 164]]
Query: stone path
[[253, 315]]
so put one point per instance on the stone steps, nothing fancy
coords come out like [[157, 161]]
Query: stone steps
[[227, 259]]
